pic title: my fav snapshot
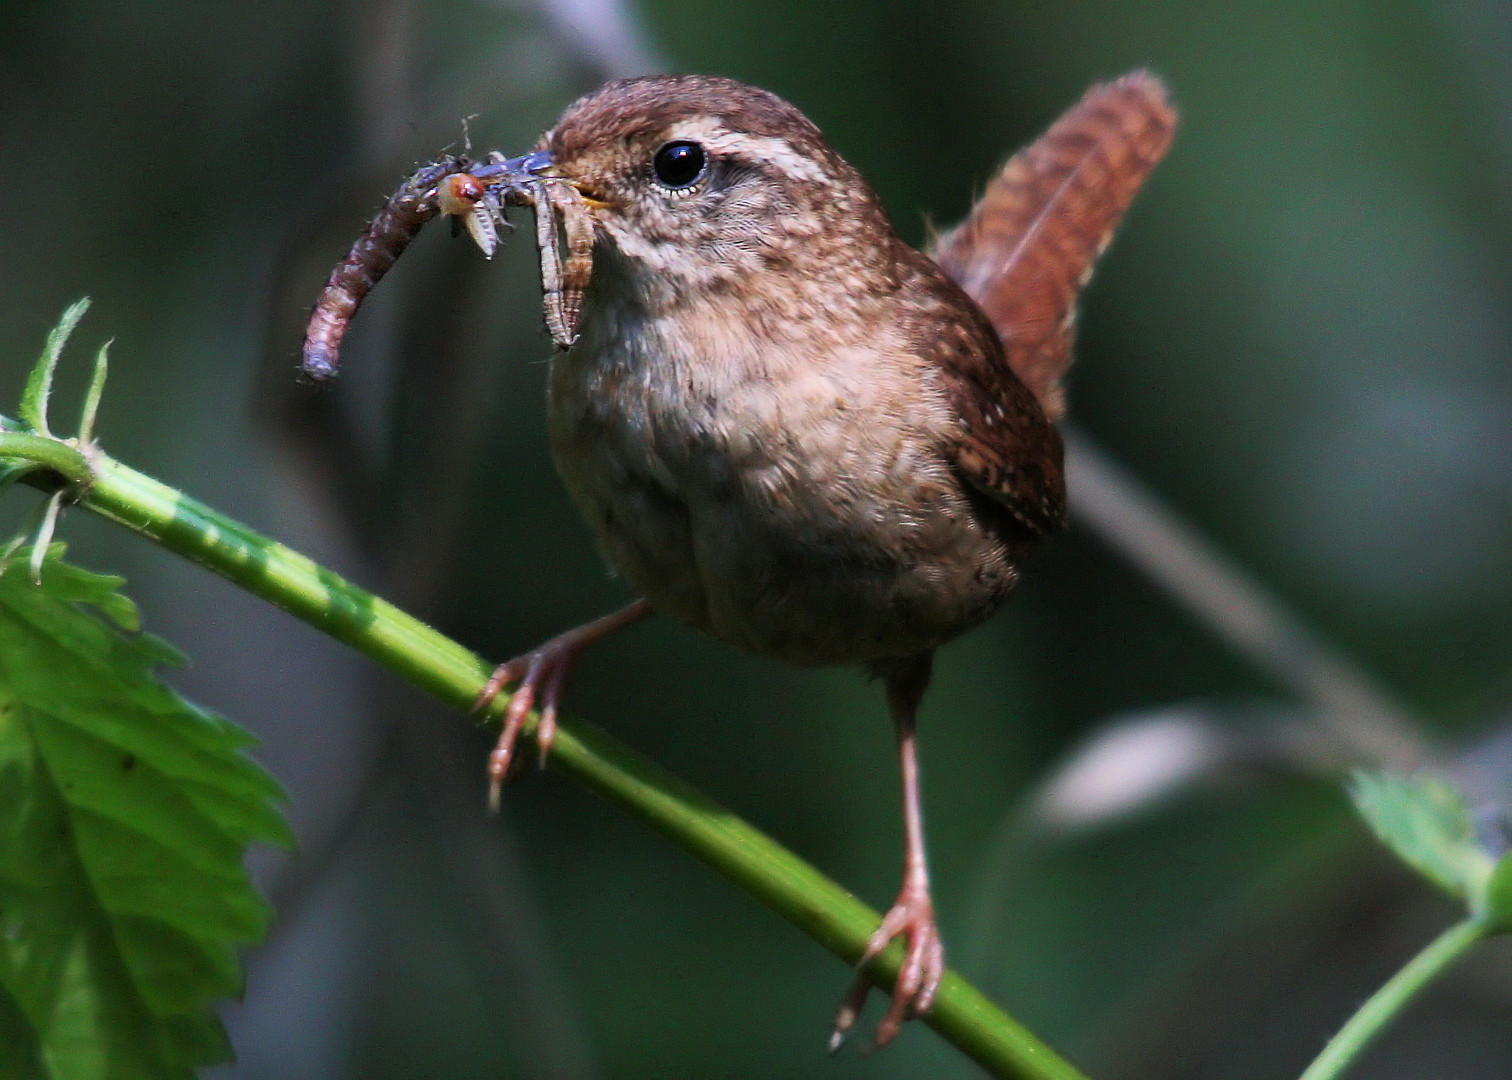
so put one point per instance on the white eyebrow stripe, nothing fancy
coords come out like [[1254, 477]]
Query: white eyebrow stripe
[[711, 131]]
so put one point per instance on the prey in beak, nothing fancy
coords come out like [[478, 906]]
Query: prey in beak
[[476, 194], [537, 165]]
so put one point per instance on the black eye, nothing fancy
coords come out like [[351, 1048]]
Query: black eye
[[679, 164]]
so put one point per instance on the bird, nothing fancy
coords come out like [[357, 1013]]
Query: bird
[[792, 431]]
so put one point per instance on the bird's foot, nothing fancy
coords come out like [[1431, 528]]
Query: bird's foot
[[542, 676], [912, 916]]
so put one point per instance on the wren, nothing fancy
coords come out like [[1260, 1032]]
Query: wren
[[789, 429]]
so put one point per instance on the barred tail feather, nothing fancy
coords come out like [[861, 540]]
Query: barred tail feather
[[1028, 246]]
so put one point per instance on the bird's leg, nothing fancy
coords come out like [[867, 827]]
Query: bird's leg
[[912, 914], [542, 673]]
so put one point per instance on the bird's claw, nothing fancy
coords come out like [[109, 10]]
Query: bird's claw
[[918, 978], [541, 674]]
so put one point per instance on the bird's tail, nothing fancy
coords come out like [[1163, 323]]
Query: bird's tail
[[1027, 248]]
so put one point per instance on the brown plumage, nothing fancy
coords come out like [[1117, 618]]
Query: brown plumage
[[794, 432], [786, 427], [1028, 246]]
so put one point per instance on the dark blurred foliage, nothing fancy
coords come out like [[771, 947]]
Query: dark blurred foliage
[[1301, 340]]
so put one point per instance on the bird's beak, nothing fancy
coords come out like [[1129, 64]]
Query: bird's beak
[[536, 164]]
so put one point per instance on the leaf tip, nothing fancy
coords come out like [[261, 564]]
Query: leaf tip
[[39, 382], [95, 393]]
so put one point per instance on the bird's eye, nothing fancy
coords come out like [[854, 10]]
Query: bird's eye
[[679, 164]]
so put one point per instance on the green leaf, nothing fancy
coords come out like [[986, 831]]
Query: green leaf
[[93, 394], [39, 383], [125, 812], [1425, 821]]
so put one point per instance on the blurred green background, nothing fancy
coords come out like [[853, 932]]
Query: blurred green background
[[1301, 341]]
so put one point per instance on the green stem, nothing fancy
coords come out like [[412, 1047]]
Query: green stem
[[1392, 998], [42, 450], [822, 909]]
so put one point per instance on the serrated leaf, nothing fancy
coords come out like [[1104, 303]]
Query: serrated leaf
[[125, 812], [1424, 819], [72, 584], [39, 382]]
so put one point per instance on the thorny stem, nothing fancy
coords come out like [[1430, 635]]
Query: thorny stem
[[1387, 1002], [775, 876]]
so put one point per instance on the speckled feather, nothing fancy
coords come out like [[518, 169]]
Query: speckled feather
[[757, 421], [785, 426], [794, 432]]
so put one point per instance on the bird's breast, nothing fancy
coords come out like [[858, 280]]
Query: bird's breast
[[784, 493]]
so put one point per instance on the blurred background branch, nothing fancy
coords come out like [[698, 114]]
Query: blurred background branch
[[1346, 704]]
